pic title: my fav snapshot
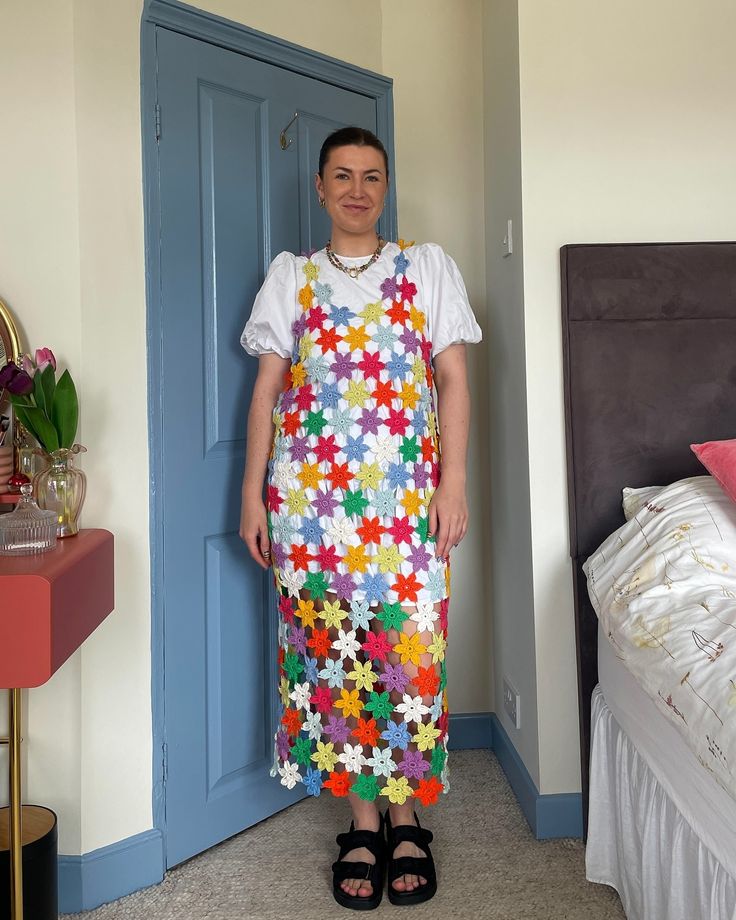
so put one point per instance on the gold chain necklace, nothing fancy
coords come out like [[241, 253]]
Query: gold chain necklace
[[353, 270]]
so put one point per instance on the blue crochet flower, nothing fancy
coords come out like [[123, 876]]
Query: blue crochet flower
[[397, 735], [313, 781]]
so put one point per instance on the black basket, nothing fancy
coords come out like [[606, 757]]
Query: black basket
[[40, 873]]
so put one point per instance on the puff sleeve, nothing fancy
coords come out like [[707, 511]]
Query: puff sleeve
[[450, 318], [269, 328]]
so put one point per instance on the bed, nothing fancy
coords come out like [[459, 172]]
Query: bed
[[649, 334]]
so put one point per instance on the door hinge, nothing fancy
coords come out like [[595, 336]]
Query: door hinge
[[165, 761], [158, 121]]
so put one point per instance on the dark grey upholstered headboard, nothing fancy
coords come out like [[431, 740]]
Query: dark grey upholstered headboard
[[649, 339]]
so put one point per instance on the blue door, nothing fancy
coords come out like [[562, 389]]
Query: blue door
[[230, 199]]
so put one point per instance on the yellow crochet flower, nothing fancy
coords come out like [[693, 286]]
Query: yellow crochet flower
[[409, 396], [437, 647], [357, 338], [356, 558], [349, 702], [306, 612], [325, 756], [311, 271], [369, 475], [410, 648], [412, 502], [388, 558], [372, 312], [426, 736], [333, 614], [296, 501], [357, 393], [397, 790], [363, 675], [418, 318], [310, 476], [298, 374]]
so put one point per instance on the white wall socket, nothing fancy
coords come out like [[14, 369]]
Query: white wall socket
[[511, 703]]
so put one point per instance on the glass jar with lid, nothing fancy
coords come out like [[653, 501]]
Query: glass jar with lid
[[28, 529]]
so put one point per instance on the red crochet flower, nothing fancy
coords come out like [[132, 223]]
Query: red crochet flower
[[338, 783], [321, 699], [376, 645], [428, 790], [327, 558]]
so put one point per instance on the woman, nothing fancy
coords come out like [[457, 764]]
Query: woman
[[360, 516]]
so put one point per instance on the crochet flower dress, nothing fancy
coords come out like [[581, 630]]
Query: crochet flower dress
[[363, 599]]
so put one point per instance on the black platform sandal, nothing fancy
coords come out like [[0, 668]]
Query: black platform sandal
[[374, 841], [410, 865]]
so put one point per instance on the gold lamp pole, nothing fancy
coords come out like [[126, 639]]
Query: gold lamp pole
[[15, 829]]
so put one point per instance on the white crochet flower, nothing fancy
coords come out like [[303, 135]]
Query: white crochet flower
[[412, 708], [290, 775], [352, 757], [346, 644]]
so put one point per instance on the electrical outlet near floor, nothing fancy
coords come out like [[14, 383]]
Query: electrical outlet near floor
[[511, 703]]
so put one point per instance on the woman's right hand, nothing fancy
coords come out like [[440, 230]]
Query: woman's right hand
[[254, 530]]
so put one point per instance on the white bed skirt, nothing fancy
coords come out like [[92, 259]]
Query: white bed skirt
[[638, 841]]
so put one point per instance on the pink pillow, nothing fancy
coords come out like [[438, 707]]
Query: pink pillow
[[719, 458]]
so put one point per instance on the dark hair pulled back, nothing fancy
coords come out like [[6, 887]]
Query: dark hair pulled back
[[351, 136]]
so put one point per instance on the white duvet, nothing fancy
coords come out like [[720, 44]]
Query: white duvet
[[664, 588]]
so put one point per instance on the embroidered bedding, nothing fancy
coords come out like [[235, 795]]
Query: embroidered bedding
[[664, 589]]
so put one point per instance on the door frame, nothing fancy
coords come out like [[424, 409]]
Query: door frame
[[195, 23]]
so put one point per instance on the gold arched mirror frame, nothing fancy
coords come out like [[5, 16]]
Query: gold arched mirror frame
[[9, 338], [10, 348]]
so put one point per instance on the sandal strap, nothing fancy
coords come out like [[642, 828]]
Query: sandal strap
[[352, 840], [363, 870], [411, 865], [411, 833]]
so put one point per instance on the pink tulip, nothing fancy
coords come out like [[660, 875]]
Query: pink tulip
[[44, 357], [28, 366]]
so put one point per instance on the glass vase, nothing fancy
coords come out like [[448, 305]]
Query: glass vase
[[61, 488]]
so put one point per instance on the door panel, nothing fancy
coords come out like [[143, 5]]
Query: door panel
[[231, 199]]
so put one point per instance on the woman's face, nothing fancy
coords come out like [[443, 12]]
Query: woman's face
[[354, 187]]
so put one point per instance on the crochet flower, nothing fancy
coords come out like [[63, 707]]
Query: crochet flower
[[347, 644], [338, 783], [290, 775], [381, 762], [352, 757], [397, 790], [313, 781], [325, 756], [396, 735], [412, 708]]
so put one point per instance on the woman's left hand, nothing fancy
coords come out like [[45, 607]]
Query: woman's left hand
[[448, 515]]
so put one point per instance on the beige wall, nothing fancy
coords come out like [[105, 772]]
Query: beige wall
[[628, 133], [71, 244]]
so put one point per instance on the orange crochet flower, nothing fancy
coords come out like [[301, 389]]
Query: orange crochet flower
[[427, 681], [428, 790], [291, 721], [320, 642], [366, 731], [338, 783]]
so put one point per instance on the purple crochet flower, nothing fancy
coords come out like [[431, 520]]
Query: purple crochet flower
[[343, 585], [420, 476], [394, 677], [337, 729], [419, 558], [413, 765], [325, 503], [299, 449], [389, 288], [343, 366], [369, 420], [278, 551], [283, 747]]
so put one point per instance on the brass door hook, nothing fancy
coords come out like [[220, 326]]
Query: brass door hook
[[282, 137]]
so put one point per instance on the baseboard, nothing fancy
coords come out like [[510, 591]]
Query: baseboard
[[470, 730], [110, 872], [548, 815]]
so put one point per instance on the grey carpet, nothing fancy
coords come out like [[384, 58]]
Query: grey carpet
[[489, 865]]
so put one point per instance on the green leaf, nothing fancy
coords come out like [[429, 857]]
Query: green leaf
[[20, 414], [48, 381], [65, 410], [41, 428], [39, 394]]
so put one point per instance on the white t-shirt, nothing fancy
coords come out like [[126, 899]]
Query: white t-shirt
[[441, 294]]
